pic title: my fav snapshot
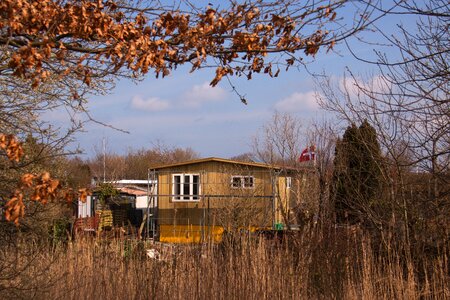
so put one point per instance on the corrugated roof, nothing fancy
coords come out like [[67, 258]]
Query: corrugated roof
[[222, 160], [132, 191], [130, 181]]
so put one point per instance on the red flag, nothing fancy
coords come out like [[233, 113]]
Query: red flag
[[308, 154]]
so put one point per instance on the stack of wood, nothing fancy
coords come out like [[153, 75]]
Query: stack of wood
[[106, 219]]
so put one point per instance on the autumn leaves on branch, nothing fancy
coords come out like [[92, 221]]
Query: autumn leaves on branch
[[98, 38], [11, 146], [40, 188]]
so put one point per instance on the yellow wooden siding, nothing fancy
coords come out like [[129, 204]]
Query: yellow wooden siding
[[215, 180], [220, 205], [282, 201]]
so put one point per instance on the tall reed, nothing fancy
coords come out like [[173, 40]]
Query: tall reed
[[313, 264]]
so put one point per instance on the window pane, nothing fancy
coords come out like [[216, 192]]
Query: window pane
[[248, 181], [186, 184], [288, 182], [195, 185], [236, 182], [177, 183]]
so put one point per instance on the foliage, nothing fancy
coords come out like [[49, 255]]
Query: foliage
[[38, 188], [97, 38], [60, 231], [357, 174], [11, 146], [106, 191], [77, 173]]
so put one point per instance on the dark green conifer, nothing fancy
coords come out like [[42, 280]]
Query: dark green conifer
[[357, 172]]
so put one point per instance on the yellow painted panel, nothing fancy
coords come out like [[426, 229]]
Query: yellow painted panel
[[189, 233], [180, 234], [282, 203]]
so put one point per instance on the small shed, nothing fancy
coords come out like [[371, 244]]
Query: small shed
[[128, 207]]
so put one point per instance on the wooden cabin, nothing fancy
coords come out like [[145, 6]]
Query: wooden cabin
[[200, 199]]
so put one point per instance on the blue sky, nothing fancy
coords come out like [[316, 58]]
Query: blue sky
[[182, 110]]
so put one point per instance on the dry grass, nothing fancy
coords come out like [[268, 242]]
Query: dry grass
[[317, 264]]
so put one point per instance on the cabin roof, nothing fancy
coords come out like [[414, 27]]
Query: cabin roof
[[220, 160], [132, 191], [124, 182]]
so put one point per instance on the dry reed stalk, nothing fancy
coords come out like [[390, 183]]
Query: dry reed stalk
[[315, 264]]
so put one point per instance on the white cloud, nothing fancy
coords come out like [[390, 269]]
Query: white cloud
[[203, 93], [358, 87], [298, 102], [149, 104]]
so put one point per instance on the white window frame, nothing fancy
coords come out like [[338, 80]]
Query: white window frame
[[288, 182], [242, 182], [190, 197]]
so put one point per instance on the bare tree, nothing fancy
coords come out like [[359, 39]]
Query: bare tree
[[280, 140], [135, 163], [323, 135]]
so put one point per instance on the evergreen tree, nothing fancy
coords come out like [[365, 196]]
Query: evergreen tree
[[357, 174]]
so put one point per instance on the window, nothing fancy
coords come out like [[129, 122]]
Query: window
[[288, 182], [236, 181], [242, 182], [248, 181], [185, 187]]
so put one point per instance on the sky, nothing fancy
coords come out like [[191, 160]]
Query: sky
[[183, 110]]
